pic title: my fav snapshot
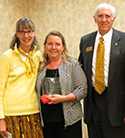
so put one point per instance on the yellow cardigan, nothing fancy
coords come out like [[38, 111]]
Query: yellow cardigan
[[17, 92]]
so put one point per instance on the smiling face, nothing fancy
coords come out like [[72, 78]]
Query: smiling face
[[54, 47], [104, 20], [26, 37]]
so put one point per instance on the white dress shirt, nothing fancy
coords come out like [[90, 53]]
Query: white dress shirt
[[107, 42]]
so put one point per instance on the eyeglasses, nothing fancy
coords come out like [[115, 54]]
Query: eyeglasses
[[29, 32]]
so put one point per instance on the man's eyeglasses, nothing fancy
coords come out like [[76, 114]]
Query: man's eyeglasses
[[29, 32]]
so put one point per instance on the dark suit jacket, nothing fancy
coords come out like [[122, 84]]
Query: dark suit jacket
[[116, 79]]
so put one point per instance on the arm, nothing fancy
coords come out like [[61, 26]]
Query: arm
[[78, 88], [79, 81], [4, 64]]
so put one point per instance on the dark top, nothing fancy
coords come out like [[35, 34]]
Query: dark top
[[54, 112]]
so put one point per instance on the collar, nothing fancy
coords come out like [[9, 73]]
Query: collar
[[106, 36]]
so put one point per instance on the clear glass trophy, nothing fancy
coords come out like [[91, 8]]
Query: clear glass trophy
[[50, 86]]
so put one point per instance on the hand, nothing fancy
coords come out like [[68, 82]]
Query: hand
[[3, 128], [55, 99]]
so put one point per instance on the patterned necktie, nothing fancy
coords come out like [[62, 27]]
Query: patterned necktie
[[30, 64], [99, 70]]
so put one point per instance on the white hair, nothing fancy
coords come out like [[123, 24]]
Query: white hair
[[105, 5]]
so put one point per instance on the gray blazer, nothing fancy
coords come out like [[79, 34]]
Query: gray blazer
[[72, 80]]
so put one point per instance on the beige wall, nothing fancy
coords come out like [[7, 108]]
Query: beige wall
[[73, 18]]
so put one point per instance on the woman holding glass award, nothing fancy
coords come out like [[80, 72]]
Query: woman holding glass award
[[61, 84]]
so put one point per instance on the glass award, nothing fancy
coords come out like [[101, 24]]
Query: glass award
[[50, 86]]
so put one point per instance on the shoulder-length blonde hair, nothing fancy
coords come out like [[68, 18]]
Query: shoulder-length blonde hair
[[65, 55]]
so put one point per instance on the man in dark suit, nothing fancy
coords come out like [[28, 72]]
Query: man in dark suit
[[104, 112]]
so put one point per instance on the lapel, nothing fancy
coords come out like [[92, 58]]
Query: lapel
[[89, 55], [115, 52]]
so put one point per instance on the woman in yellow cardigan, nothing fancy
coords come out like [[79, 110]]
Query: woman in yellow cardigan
[[19, 111]]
